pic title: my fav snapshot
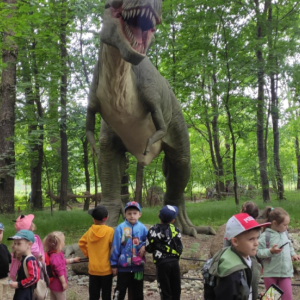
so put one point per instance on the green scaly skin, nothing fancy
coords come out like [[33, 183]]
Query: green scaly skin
[[139, 111]]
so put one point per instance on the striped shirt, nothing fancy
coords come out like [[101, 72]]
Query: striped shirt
[[24, 290]]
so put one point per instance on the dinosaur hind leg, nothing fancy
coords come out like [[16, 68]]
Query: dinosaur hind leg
[[111, 167], [177, 171]]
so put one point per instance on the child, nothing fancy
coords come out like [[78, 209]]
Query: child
[[127, 258], [23, 241], [37, 250], [96, 245], [249, 208], [5, 260], [277, 262], [234, 266], [53, 243], [164, 241]]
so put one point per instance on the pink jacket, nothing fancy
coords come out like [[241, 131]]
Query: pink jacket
[[36, 250], [58, 267]]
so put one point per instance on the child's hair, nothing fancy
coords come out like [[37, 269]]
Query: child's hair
[[251, 209], [274, 214], [54, 241], [33, 227]]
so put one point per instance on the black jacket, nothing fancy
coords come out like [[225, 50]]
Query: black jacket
[[5, 260], [164, 241]]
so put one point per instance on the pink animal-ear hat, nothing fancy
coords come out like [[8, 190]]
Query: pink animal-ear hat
[[23, 222]]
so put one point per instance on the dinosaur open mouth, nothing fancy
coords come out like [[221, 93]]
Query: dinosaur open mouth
[[138, 25]]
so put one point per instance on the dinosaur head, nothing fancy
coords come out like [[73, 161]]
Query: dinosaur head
[[129, 25]]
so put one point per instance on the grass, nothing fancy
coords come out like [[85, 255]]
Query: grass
[[213, 213]]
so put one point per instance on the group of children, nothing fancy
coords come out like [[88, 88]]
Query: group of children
[[110, 252], [121, 252], [251, 249]]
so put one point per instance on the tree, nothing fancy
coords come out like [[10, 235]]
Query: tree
[[63, 103], [7, 110], [261, 142]]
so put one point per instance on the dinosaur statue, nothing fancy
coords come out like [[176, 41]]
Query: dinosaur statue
[[139, 111]]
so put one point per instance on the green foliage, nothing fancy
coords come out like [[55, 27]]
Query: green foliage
[[205, 49]]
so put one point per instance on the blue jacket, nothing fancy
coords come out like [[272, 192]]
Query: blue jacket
[[128, 239]]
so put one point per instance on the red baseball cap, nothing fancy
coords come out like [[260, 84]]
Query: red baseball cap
[[240, 223]]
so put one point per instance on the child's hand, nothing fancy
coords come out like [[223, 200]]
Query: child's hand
[[14, 285], [76, 259], [114, 272], [275, 250], [296, 257], [40, 257], [65, 286], [142, 251]]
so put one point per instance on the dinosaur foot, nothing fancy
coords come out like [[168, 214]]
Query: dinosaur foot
[[187, 227]]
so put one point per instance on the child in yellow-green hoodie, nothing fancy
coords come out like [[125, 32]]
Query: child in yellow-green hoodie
[[96, 245]]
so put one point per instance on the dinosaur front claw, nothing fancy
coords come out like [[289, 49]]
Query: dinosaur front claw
[[146, 151]]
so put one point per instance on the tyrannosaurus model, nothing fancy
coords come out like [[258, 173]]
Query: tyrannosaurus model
[[139, 111]]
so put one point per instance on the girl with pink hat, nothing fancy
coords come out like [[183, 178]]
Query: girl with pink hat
[[25, 222]]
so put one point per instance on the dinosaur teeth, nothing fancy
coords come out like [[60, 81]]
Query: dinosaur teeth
[[150, 16], [138, 11], [124, 14], [143, 11], [153, 21]]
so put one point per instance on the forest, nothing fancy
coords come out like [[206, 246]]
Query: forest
[[233, 65]]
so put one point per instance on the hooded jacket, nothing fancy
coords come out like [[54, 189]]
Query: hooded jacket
[[128, 240], [276, 265], [96, 245], [164, 241], [234, 276]]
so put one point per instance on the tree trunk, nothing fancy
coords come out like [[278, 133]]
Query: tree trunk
[[37, 164], [7, 117], [125, 184], [63, 114], [220, 187], [227, 163], [95, 177], [262, 159], [229, 121], [173, 32], [139, 183], [274, 108], [298, 161], [124, 188], [86, 171]]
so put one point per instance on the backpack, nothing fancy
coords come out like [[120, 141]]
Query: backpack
[[210, 278], [40, 290], [48, 267]]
